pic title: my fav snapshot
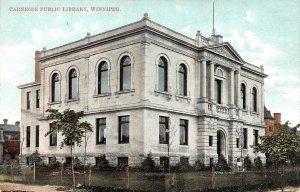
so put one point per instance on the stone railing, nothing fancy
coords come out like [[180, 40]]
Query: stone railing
[[222, 109]]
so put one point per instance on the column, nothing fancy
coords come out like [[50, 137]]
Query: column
[[261, 107], [212, 81], [203, 80], [198, 75], [237, 88], [231, 97]]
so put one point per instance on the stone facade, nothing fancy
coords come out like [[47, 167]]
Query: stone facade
[[212, 69]]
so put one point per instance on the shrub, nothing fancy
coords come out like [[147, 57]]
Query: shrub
[[17, 168], [148, 164], [182, 165], [222, 164], [102, 163], [4, 168], [200, 166], [258, 162], [247, 163]]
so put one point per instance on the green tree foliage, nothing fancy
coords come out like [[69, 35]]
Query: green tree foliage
[[247, 163], [35, 158], [222, 164], [69, 126], [148, 164], [257, 163], [281, 147]]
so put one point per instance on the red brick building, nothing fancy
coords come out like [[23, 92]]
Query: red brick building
[[9, 141], [271, 122]]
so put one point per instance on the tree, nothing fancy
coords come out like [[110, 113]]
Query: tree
[[35, 158], [68, 124], [148, 164], [222, 164], [281, 147], [247, 163]]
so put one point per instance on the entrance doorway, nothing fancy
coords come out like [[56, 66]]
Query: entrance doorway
[[221, 143]]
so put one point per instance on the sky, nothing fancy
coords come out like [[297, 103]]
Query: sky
[[262, 32]]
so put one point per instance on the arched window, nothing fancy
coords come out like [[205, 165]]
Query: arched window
[[125, 73], [103, 78], [254, 99], [162, 74], [243, 96], [72, 84], [182, 78], [55, 88]]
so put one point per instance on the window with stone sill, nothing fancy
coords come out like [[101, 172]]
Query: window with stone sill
[[162, 74], [183, 132], [37, 102], [125, 73], [103, 78], [37, 136], [52, 137], [245, 136], [101, 131], [55, 88], [254, 99], [243, 96], [28, 99], [123, 129], [182, 80], [163, 130], [28, 136], [218, 91], [73, 83]]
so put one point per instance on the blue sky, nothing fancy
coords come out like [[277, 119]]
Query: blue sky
[[263, 32]]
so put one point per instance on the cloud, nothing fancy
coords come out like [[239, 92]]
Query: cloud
[[249, 17], [252, 48], [15, 61]]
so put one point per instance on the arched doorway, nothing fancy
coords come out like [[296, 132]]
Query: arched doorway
[[221, 143]]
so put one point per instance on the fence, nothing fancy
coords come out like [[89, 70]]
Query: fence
[[135, 180]]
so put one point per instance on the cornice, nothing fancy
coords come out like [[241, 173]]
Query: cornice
[[27, 85]]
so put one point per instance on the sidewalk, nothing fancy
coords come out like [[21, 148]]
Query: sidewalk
[[6, 186]]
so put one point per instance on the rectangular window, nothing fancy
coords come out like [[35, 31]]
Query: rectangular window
[[270, 128], [183, 132], [163, 130], [28, 99], [37, 98], [124, 129], [164, 162], [210, 140], [101, 131], [68, 161], [122, 162], [37, 136], [218, 91], [255, 136], [245, 133], [184, 161], [53, 137], [237, 142], [28, 136]]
